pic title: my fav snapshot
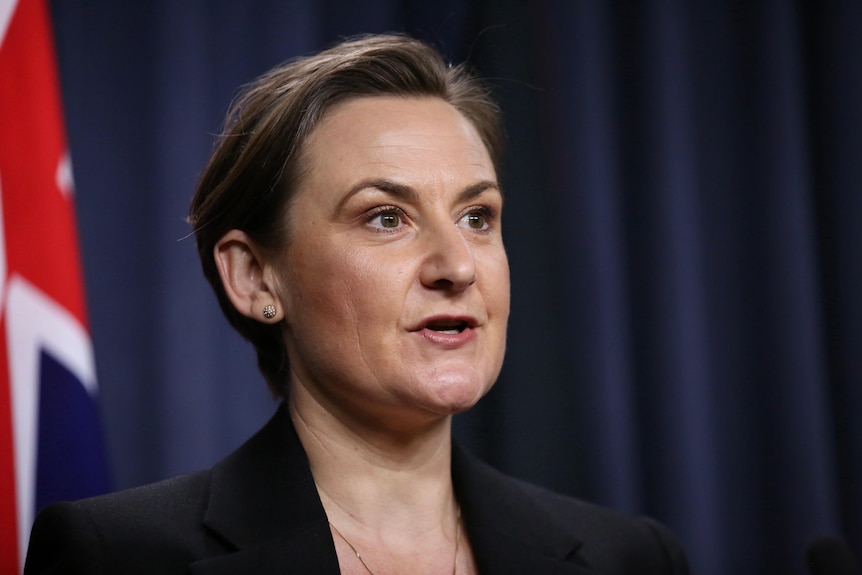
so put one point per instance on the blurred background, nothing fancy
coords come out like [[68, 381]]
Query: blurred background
[[682, 221]]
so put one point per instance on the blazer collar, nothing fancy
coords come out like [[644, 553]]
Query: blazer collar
[[509, 531], [263, 503]]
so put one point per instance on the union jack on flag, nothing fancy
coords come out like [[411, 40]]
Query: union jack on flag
[[50, 441]]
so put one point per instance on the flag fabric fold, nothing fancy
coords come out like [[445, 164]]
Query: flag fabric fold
[[50, 441]]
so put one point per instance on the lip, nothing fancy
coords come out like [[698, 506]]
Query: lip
[[448, 340]]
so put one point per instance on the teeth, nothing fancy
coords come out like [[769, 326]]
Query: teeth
[[448, 329]]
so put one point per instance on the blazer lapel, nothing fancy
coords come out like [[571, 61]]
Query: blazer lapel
[[263, 502], [264, 505], [508, 531]]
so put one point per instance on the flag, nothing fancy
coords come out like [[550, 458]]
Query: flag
[[50, 440]]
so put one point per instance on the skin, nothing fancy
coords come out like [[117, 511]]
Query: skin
[[397, 223], [393, 291]]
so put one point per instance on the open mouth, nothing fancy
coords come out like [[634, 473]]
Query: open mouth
[[451, 327]]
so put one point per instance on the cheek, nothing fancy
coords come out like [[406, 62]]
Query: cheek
[[377, 289], [497, 285], [342, 287], [309, 286]]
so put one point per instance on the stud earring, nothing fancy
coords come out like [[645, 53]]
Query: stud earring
[[269, 311]]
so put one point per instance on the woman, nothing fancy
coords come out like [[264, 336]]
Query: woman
[[349, 222]]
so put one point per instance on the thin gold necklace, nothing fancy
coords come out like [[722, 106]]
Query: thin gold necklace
[[370, 572]]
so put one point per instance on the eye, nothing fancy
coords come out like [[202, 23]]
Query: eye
[[389, 220], [385, 217], [477, 219]]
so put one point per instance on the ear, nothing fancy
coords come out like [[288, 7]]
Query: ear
[[247, 277]]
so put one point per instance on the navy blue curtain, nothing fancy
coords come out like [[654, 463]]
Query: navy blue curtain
[[682, 221]]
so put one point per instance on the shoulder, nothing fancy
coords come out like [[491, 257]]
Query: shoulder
[[509, 511], [609, 537], [131, 529]]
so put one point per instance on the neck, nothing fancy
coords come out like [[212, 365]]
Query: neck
[[390, 484]]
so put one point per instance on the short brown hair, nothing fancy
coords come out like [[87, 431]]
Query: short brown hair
[[252, 174]]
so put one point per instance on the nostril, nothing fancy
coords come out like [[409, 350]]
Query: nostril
[[448, 284]]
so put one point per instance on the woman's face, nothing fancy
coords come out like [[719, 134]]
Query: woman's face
[[395, 282]]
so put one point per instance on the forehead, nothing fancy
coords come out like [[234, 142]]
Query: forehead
[[387, 111], [390, 132]]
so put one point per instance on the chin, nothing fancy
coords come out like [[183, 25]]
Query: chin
[[458, 396]]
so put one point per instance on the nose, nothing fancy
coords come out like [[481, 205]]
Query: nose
[[449, 263]]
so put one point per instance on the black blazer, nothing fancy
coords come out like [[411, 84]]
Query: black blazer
[[258, 511]]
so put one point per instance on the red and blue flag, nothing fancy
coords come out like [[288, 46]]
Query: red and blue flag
[[50, 440]]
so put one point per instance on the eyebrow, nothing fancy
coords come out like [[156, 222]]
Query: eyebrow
[[408, 193]]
